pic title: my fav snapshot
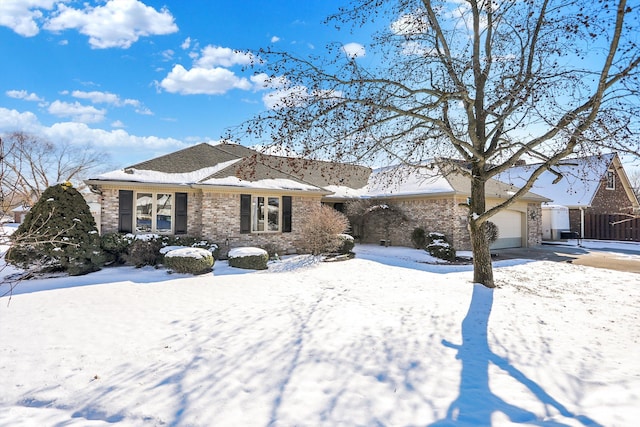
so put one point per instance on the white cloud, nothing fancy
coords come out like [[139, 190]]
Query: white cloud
[[77, 112], [354, 50], [210, 73], [296, 96], [117, 124], [168, 54], [263, 81], [117, 23], [24, 95], [214, 56], [97, 97], [82, 134], [186, 44], [22, 16], [13, 120], [411, 24], [275, 39], [210, 81]]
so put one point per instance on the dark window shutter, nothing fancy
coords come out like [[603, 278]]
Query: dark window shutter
[[125, 211], [245, 213], [286, 214], [181, 213]]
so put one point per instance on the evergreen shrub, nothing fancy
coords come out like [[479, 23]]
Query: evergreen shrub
[[58, 234], [248, 258], [419, 238], [347, 243], [438, 246], [189, 260]]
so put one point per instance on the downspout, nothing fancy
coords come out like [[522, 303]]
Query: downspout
[[581, 222]]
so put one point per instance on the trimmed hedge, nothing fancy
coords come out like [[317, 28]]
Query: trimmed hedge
[[189, 260], [347, 243], [248, 258]]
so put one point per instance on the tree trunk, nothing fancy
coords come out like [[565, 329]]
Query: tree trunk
[[482, 268]]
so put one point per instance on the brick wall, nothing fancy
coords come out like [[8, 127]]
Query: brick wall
[[441, 215], [446, 216], [534, 224], [607, 201], [221, 223], [109, 211]]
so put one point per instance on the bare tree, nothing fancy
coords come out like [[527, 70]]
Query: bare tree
[[482, 81], [31, 164]]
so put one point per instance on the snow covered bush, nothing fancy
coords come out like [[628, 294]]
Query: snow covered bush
[[192, 242], [145, 250], [189, 260], [321, 231], [346, 243], [58, 234], [438, 246], [115, 247], [248, 258]]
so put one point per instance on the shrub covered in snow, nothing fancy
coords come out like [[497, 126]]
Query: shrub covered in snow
[[145, 250], [115, 247], [249, 258], [58, 234], [189, 260], [438, 246], [346, 243], [148, 249], [321, 231]]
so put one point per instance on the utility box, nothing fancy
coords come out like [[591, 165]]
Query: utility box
[[555, 221]]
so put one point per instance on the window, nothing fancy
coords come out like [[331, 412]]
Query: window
[[265, 214], [154, 213], [611, 180]]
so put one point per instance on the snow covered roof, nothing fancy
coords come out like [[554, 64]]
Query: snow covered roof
[[398, 181], [581, 178], [232, 165]]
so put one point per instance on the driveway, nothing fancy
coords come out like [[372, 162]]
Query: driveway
[[619, 256]]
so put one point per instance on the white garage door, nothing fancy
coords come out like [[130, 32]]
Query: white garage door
[[510, 229]]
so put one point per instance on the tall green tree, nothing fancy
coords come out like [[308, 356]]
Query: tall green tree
[[485, 82], [58, 234]]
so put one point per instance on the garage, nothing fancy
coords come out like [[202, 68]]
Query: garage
[[509, 229]]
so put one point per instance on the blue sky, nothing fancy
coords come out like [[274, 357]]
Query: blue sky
[[140, 78]]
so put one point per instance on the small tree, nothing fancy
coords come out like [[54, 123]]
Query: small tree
[[58, 234], [322, 229]]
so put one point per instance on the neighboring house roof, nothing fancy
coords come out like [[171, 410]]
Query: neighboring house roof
[[407, 181], [581, 178]]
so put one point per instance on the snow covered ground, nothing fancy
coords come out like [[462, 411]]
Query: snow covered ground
[[385, 339]]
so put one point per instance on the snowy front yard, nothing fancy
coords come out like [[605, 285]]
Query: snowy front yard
[[382, 339]]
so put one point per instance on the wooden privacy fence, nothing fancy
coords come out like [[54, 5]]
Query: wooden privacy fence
[[611, 227]]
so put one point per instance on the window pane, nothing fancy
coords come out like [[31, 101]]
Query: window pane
[[144, 209], [258, 214], [274, 213], [164, 208]]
